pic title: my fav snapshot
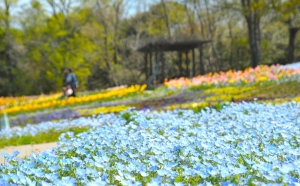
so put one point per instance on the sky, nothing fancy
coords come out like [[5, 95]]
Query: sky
[[132, 6]]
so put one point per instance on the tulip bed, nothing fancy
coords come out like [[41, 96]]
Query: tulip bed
[[242, 144], [248, 76]]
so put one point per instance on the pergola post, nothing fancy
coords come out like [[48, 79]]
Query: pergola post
[[155, 64], [187, 63], [146, 65], [151, 66], [180, 63], [194, 64], [163, 61], [202, 71]]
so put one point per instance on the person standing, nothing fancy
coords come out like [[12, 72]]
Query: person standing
[[70, 83]]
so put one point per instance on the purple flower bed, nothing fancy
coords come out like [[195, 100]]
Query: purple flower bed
[[24, 119]]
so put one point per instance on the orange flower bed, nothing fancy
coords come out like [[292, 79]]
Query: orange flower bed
[[250, 75]]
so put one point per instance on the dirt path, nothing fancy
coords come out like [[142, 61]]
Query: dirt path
[[26, 149]]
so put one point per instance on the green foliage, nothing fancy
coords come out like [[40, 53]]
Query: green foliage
[[201, 87], [43, 137], [127, 116]]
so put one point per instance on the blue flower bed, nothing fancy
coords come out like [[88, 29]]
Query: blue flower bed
[[243, 144]]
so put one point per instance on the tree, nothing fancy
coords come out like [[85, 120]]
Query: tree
[[289, 10], [9, 48], [252, 11]]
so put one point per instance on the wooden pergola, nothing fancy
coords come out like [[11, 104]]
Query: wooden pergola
[[157, 48]]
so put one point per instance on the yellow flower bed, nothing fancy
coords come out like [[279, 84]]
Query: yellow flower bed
[[186, 105], [278, 101], [297, 99], [54, 102], [104, 110], [229, 90], [220, 97], [23, 100], [226, 93]]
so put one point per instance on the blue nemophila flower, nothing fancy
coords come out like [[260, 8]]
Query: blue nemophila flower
[[156, 181], [163, 172], [67, 181], [44, 183], [92, 172], [179, 184], [177, 147], [39, 173], [4, 182], [286, 168], [97, 182], [205, 184], [260, 143], [52, 176], [130, 182], [294, 180], [81, 173], [24, 180], [212, 171], [15, 153], [152, 168], [227, 184], [224, 171], [14, 177], [5, 155]]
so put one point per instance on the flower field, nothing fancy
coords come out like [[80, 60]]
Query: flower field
[[246, 143], [231, 128]]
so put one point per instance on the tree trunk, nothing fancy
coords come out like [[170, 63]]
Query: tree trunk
[[211, 29], [163, 64], [180, 63], [116, 28], [166, 17], [231, 46], [202, 22], [253, 24], [202, 70], [191, 23], [8, 48], [146, 65], [193, 62], [291, 48], [187, 70]]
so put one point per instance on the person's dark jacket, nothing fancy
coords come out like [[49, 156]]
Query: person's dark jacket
[[71, 80]]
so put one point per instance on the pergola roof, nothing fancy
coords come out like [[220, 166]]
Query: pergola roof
[[170, 45]]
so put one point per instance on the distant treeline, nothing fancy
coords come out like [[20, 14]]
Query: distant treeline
[[96, 38]]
